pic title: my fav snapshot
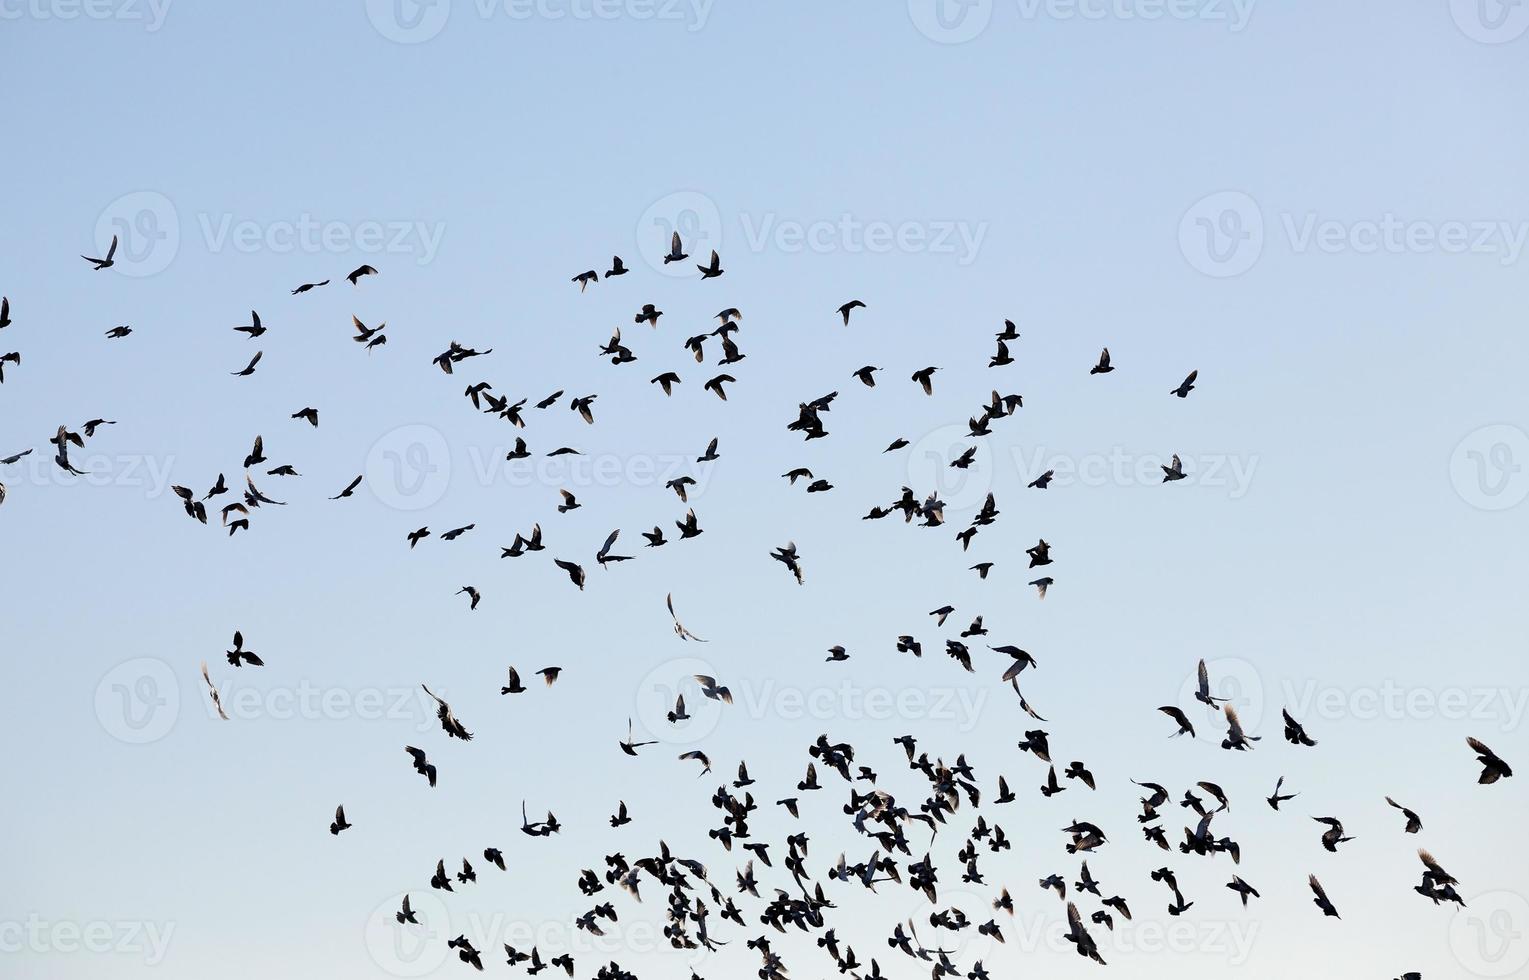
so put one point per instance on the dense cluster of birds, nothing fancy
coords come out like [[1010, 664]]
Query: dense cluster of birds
[[691, 890]]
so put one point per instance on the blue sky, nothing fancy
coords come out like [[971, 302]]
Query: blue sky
[[1322, 209]]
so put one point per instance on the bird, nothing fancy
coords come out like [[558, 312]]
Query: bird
[[339, 824], [845, 311], [1492, 767], [107, 262], [1235, 738], [1294, 733], [238, 655], [1202, 690], [309, 285], [1333, 835], [630, 748], [472, 594], [1186, 386], [405, 913], [449, 723], [1414, 822], [254, 328], [359, 271], [117, 333], [585, 278], [217, 702], [575, 571], [713, 269], [249, 368], [309, 415], [421, 764], [676, 251], [1103, 367], [617, 267], [1320, 901], [1276, 799], [666, 381], [925, 379], [349, 489], [604, 556], [1174, 471], [1243, 890], [14, 357], [715, 385], [5, 312], [679, 628]]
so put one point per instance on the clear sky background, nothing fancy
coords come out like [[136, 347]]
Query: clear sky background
[[1321, 207]]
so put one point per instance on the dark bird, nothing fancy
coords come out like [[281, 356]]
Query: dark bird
[[666, 381], [5, 312], [249, 368], [358, 272], [238, 655], [715, 385], [1414, 823], [630, 748], [350, 489], [1294, 733], [1243, 890], [309, 415], [676, 252], [514, 686], [1186, 386], [117, 333], [1492, 767], [309, 285], [617, 267], [254, 328], [1276, 799], [713, 270], [1333, 836], [107, 262], [1174, 471], [844, 311], [1202, 689], [449, 723], [421, 765], [925, 378], [339, 823], [575, 572], [585, 278], [1320, 901], [1103, 367], [473, 596]]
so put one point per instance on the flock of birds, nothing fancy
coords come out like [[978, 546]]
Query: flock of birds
[[691, 890]]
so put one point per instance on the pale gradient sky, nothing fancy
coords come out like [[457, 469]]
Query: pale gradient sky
[[1349, 544]]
